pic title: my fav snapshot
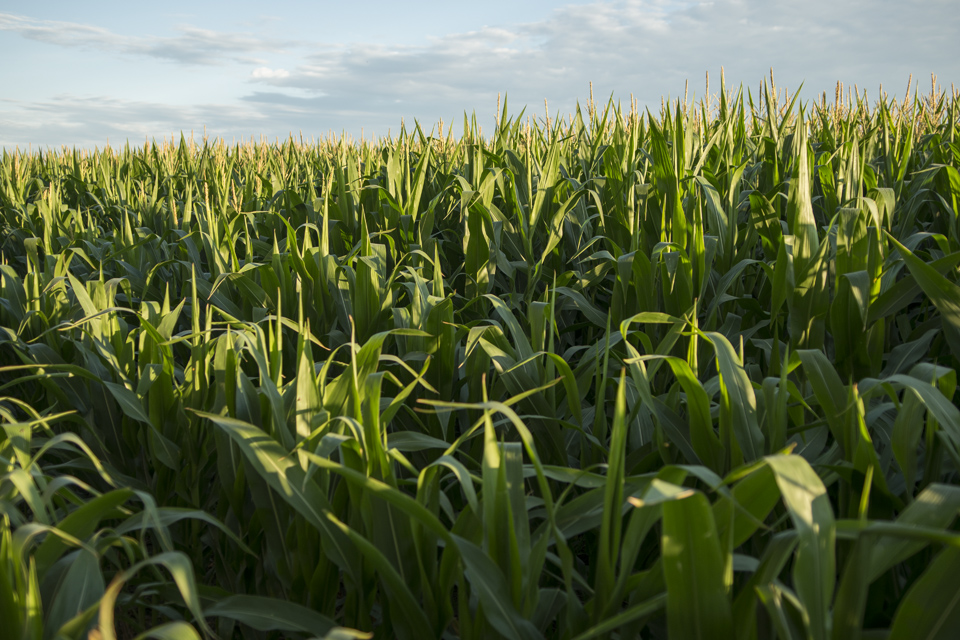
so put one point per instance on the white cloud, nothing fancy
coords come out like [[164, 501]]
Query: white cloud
[[266, 73], [191, 46]]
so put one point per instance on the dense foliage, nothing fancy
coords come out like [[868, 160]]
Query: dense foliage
[[614, 375]]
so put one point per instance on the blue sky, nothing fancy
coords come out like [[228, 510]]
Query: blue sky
[[82, 73]]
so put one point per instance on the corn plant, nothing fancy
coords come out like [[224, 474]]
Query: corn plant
[[685, 374]]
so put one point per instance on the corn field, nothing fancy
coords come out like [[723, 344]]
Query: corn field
[[612, 374]]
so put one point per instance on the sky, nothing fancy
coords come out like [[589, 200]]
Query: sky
[[88, 74]]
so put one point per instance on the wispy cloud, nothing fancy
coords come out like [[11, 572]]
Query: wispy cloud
[[266, 73], [191, 45]]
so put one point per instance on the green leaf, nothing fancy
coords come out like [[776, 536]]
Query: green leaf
[[166, 516], [698, 605], [931, 608], [80, 588], [492, 589], [285, 476], [944, 294], [171, 631], [270, 614], [81, 523], [645, 608], [738, 395], [814, 567], [128, 401], [936, 507], [180, 568]]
